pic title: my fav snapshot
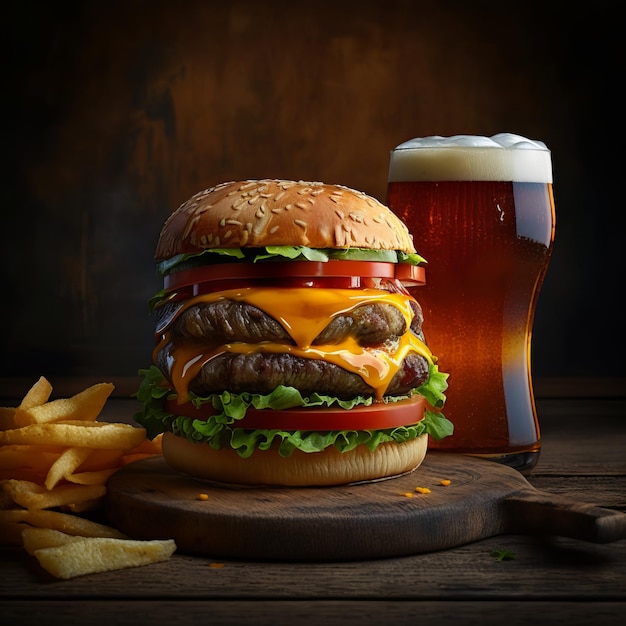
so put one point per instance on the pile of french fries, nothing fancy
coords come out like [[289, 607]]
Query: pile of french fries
[[55, 460]]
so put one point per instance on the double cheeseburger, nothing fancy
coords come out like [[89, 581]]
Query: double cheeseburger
[[288, 350]]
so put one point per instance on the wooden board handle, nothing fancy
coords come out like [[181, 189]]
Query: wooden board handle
[[543, 513]]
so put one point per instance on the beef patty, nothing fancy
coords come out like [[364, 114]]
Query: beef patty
[[227, 321]]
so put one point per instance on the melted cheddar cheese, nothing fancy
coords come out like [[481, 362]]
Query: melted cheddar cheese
[[304, 313]]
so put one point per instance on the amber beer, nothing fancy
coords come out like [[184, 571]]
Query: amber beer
[[481, 211]]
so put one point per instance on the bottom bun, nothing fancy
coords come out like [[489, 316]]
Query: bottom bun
[[300, 469]]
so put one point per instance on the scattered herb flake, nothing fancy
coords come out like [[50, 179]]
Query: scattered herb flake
[[503, 555]]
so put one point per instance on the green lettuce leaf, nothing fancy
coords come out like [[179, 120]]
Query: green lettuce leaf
[[166, 266], [220, 430], [412, 258], [433, 389], [253, 255]]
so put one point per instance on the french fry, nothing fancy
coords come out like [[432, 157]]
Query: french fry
[[55, 461], [39, 538], [13, 515], [65, 465], [32, 496], [37, 458], [11, 533], [65, 522], [38, 394], [131, 458], [85, 405], [100, 459], [22, 473], [77, 434], [7, 420], [98, 477], [85, 506], [6, 502], [149, 447], [96, 555], [144, 450]]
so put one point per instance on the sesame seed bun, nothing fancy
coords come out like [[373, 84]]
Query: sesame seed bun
[[256, 213], [267, 467]]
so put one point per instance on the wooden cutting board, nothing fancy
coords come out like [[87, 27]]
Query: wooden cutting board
[[148, 500]]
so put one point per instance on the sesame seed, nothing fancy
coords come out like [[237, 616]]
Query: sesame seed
[[273, 229], [300, 223], [301, 205], [339, 235]]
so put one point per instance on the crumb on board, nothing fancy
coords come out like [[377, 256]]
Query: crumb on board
[[422, 489], [202, 496]]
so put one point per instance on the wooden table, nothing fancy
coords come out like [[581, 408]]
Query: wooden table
[[551, 580]]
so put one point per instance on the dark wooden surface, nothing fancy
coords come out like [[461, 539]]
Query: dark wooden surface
[[387, 518], [551, 580]]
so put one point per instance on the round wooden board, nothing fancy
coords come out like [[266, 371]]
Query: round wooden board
[[148, 500]]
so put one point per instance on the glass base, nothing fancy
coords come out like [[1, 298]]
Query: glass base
[[523, 462]]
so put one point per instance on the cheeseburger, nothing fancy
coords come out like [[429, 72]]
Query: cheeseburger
[[288, 350]]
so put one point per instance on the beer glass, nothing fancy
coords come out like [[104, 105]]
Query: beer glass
[[481, 212]]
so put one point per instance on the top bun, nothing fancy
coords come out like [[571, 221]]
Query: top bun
[[257, 213]]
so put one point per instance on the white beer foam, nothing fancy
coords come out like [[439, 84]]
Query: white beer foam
[[471, 157]]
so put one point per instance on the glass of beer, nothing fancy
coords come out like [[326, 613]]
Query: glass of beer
[[481, 212]]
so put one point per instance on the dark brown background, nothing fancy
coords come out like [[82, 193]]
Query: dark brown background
[[116, 112]]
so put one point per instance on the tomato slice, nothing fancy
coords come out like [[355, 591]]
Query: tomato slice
[[377, 416], [348, 271]]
